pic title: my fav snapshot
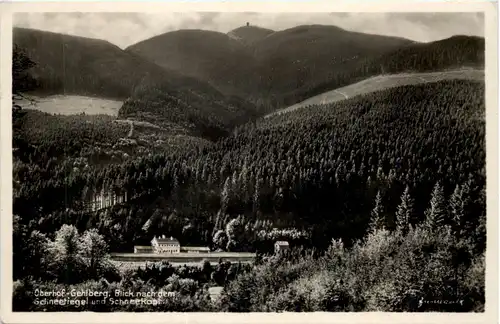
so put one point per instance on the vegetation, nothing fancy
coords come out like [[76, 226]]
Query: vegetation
[[298, 58], [160, 105], [262, 69], [76, 263], [382, 82], [423, 270]]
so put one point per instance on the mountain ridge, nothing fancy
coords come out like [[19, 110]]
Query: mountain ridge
[[263, 70]]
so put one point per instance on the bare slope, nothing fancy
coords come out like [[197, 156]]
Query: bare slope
[[73, 105], [382, 82]]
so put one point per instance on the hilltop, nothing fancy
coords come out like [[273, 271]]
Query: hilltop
[[86, 66], [249, 35], [213, 57], [68, 64], [452, 52]]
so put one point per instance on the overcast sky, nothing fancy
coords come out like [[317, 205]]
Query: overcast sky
[[124, 29]]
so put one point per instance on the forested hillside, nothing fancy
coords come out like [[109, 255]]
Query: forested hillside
[[316, 170], [77, 65], [409, 160], [382, 82], [299, 57], [162, 105]]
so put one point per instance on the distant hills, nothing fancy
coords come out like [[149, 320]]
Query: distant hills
[[210, 81], [275, 69], [260, 64], [301, 57], [452, 53], [80, 65], [83, 66]]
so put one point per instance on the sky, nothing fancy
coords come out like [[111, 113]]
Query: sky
[[124, 29]]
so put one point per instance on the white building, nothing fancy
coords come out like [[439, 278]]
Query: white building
[[165, 245], [281, 246], [169, 245]]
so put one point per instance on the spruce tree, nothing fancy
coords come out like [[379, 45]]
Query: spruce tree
[[457, 209], [436, 213], [377, 215], [459, 203], [256, 196], [405, 211], [225, 196]]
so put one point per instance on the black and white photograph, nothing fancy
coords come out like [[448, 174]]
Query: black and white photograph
[[242, 162]]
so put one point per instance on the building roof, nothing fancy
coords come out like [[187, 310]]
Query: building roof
[[282, 243], [195, 248], [164, 239]]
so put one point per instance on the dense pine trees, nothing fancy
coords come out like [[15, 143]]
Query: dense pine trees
[[312, 174]]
